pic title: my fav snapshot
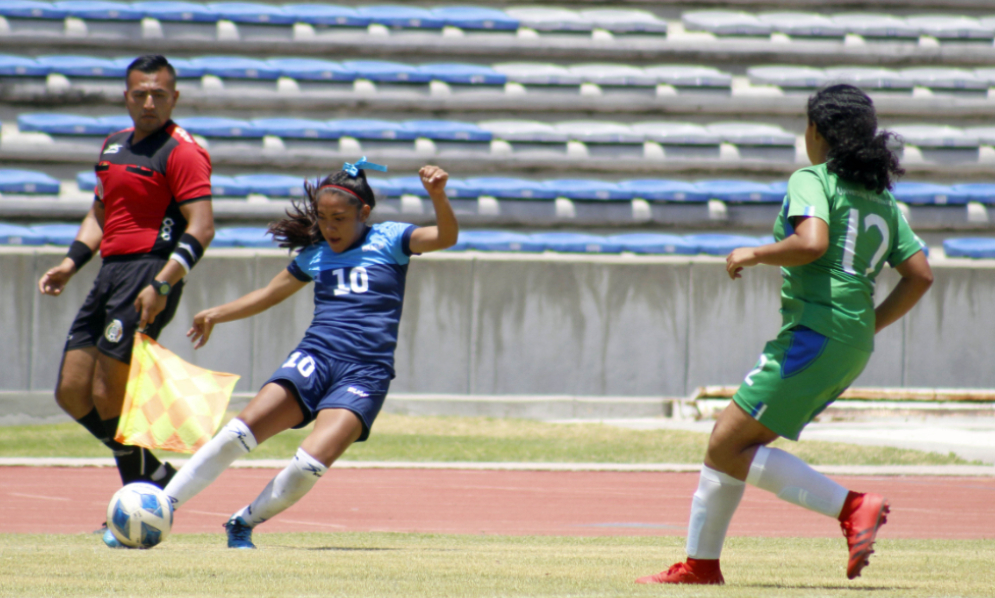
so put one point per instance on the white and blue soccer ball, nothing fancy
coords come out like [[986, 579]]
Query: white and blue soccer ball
[[140, 515]]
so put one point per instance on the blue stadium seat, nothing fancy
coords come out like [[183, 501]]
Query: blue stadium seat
[[222, 239], [402, 17], [61, 124], [225, 186], [383, 71], [362, 128], [870, 77], [28, 181], [624, 21], [928, 194], [236, 67], [326, 14], [980, 192], [488, 240], [694, 77], [780, 187], [458, 189], [57, 234], [183, 67], [84, 66], [86, 180], [547, 75], [13, 234], [212, 126], [739, 191], [577, 243], [662, 190], [273, 185], [946, 27], [719, 244], [295, 128], [99, 10], [384, 187], [946, 79], [475, 17], [977, 248], [249, 12], [876, 26], [312, 69], [116, 122], [246, 236], [722, 22], [449, 130], [802, 24], [30, 9], [21, 66], [588, 190], [614, 75], [550, 19], [510, 188], [802, 77], [654, 243], [463, 74], [178, 11], [408, 185]]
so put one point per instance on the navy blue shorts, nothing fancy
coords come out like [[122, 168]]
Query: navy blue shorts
[[321, 382]]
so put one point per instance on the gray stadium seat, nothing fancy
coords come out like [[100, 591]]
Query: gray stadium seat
[[948, 80], [526, 137], [757, 141], [986, 74], [603, 138], [985, 135], [620, 21], [787, 77], [539, 77], [690, 77], [614, 78], [802, 24], [949, 28], [876, 26], [552, 20], [722, 22], [32, 18], [680, 140], [875, 79], [941, 144]]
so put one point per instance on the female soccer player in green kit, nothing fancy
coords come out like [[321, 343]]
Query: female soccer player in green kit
[[838, 227]]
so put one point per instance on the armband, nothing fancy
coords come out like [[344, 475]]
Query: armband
[[79, 253], [188, 252]]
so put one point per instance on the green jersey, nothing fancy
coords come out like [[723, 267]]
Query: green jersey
[[834, 294]]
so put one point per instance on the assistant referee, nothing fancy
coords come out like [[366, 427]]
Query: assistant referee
[[151, 220]]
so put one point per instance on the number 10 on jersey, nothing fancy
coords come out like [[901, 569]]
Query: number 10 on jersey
[[358, 280]]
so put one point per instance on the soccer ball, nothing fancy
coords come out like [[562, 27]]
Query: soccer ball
[[140, 515]]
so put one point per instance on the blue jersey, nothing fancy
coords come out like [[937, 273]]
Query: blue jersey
[[357, 294]]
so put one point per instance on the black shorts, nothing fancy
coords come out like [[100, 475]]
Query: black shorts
[[108, 319]]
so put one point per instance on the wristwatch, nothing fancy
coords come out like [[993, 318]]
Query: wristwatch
[[163, 288]]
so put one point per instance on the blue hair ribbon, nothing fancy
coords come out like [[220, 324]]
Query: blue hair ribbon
[[353, 169]]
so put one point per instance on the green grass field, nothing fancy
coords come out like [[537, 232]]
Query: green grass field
[[361, 565], [408, 438]]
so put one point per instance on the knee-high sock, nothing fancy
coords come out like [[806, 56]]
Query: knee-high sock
[[792, 479], [288, 487], [233, 441], [712, 507], [134, 463]]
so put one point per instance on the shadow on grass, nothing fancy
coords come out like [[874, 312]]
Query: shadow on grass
[[803, 586], [338, 548]]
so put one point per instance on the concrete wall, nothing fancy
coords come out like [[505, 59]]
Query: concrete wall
[[528, 325]]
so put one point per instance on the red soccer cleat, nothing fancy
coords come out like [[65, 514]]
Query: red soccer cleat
[[862, 517], [694, 571]]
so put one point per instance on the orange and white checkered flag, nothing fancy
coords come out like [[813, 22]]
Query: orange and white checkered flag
[[170, 404]]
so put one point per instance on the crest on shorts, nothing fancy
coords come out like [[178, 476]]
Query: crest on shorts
[[114, 331]]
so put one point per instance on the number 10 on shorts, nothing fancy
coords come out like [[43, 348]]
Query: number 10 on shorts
[[304, 366]]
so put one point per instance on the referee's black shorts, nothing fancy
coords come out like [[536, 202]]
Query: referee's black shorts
[[108, 319]]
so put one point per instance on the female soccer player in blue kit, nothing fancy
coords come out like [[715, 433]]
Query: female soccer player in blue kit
[[339, 373]]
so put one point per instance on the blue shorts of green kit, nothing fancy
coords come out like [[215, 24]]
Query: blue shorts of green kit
[[321, 382]]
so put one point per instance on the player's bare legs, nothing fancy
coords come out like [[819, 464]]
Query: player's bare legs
[[735, 440], [334, 431], [273, 410], [110, 380], [74, 390]]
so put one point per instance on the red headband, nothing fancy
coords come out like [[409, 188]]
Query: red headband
[[346, 189]]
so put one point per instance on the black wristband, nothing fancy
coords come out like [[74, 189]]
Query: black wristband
[[79, 253], [188, 252]]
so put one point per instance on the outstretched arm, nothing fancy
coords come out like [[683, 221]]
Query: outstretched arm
[[917, 277], [446, 229], [282, 286], [808, 243]]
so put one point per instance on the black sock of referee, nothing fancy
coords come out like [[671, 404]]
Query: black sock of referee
[[134, 463]]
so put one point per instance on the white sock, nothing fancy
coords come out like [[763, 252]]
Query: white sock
[[288, 487], [712, 507], [233, 441], [792, 479]]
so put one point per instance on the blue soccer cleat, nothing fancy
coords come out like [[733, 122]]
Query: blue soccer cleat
[[111, 540], [239, 533]]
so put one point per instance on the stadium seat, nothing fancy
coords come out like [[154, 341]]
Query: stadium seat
[[757, 141], [185, 69], [386, 75], [83, 66], [690, 78], [182, 20], [619, 21], [947, 79], [550, 20], [56, 234], [244, 236], [576, 243], [325, 16], [272, 185], [111, 20], [237, 67], [449, 136], [680, 140], [510, 188], [402, 17], [588, 190], [876, 26], [653, 243], [222, 186], [940, 144], [21, 66], [615, 77], [870, 78], [458, 76], [928, 194], [788, 77], [487, 240], [295, 128], [946, 27], [539, 76], [721, 22], [31, 18], [407, 185], [980, 192], [14, 234], [985, 135], [977, 248], [61, 124], [313, 69], [527, 136], [801, 24], [27, 182], [476, 18], [86, 181], [603, 138], [372, 133], [719, 244], [661, 190], [251, 12], [739, 191], [212, 126]]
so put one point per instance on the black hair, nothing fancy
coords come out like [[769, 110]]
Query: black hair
[[858, 152], [300, 228], [150, 63]]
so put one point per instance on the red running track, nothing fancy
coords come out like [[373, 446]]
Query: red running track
[[73, 500]]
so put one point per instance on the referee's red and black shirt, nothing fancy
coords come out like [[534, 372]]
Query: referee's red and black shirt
[[142, 186]]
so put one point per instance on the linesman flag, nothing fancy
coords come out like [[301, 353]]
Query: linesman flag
[[170, 404]]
